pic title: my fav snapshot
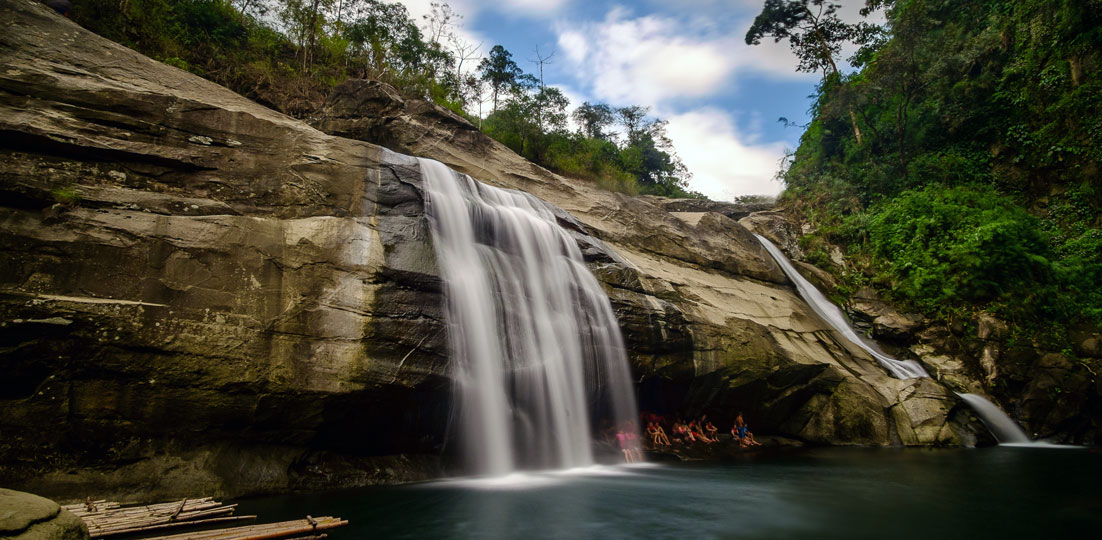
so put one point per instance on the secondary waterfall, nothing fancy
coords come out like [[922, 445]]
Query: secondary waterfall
[[1001, 426], [1005, 430], [832, 315], [537, 352]]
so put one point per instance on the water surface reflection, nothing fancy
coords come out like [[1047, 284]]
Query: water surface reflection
[[821, 493]]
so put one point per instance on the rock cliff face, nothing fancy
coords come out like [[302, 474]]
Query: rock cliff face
[[710, 319], [199, 294], [1053, 394]]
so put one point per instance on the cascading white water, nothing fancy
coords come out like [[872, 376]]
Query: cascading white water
[[1001, 426], [1005, 430], [832, 315], [536, 349]]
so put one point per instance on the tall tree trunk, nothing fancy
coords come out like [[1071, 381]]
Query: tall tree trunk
[[313, 34], [833, 66]]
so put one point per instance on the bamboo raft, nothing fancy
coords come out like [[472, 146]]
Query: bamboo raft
[[309, 526], [108, 518]]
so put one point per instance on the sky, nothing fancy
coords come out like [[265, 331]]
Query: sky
[[685, 59]]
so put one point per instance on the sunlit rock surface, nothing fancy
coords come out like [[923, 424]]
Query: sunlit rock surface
[[709, 318]]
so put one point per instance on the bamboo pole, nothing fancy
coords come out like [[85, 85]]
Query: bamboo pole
[[172, 525], [261, 532], [190, 514], [107, 518]]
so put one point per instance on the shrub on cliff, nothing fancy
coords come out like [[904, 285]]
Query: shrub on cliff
[[949, 247]]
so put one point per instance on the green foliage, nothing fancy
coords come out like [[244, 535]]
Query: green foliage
[[66, 195], [812, 27], [322, 43], [974, 183], [500, 72], [958, 246], [532, 122], [594, 120]]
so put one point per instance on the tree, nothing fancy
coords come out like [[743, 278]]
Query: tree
[[258, 8], [592, 119], [550, 107], [464, 51], [541, 61], [632, 119], [500, 72], [438, 22], [815, 36], [377, 35], [473, 89], [342, 7], [652, 160], [390, 47], [304, 19]]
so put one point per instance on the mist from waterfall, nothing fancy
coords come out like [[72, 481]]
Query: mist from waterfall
[[536, 350]]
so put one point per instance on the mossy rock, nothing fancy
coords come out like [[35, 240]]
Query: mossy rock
[[24, 516]]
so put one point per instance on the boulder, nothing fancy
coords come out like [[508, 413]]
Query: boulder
[[886, 322], [775, 226], [989, 328], [24, 516]]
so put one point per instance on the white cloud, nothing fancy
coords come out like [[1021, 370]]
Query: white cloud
[[575, 45], [645, 60], [419, 8], [532, 7], [470, 8], [652, 58], [724, 162]]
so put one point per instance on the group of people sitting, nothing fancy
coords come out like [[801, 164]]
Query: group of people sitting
[[699, 430]]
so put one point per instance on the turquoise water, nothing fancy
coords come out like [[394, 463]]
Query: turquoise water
[[819, 493]]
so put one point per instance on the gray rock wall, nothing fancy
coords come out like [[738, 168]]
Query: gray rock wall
[[711, 323]]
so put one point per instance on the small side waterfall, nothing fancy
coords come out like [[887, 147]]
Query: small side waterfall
[[1005, 430], [832, 315], [537, 352]]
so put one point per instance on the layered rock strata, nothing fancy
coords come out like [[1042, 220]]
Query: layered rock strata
[[199, 294], [711, 322]]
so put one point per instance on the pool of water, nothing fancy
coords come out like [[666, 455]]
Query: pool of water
[[819, 493]]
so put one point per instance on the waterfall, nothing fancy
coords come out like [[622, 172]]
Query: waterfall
[[537, 354], [1001, 426], [833, 316], [1005, 430]]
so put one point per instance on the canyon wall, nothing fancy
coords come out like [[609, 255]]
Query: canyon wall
[[201, 295]]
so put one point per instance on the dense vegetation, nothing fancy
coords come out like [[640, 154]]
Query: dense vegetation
[[959, 163], [287, 54]]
